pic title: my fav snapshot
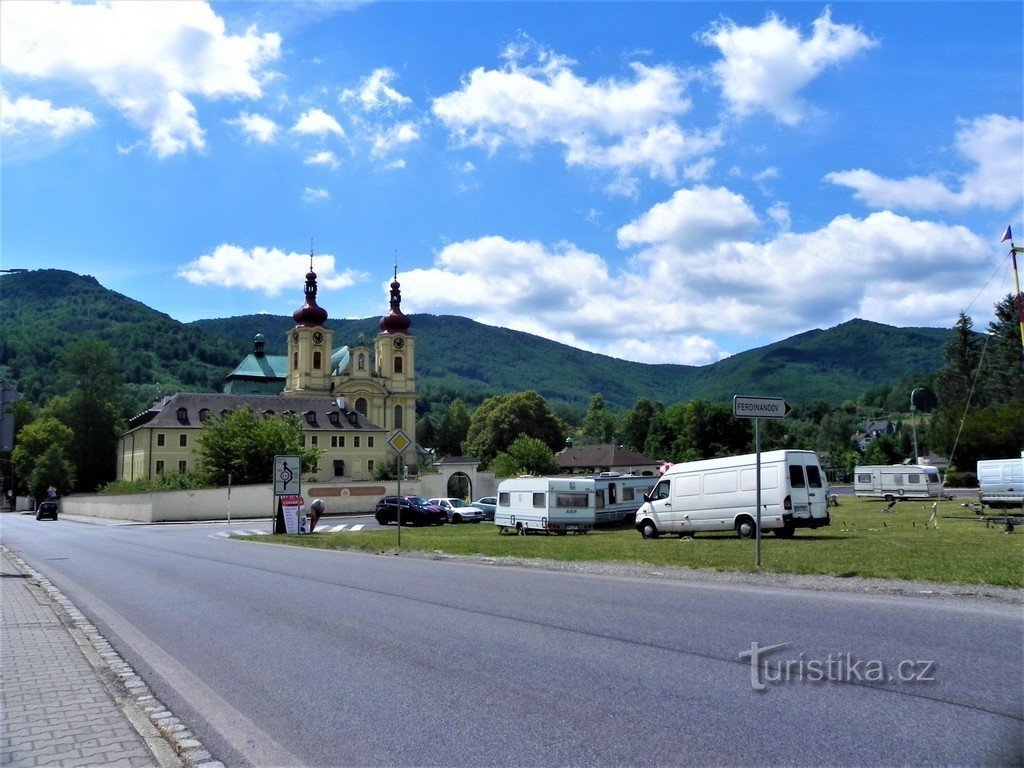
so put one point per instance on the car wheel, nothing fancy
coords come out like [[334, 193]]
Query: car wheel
[[649, 531], [745, 528], [520, 529], [456, 518]]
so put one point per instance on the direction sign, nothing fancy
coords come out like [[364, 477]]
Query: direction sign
[[287, 476], [399, 441], [759, 407]]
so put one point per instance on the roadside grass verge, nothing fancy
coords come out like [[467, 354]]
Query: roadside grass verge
[[863, 540]]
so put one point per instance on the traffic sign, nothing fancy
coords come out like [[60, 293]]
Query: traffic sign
[[287, 476], [399, 441], [759, 407]]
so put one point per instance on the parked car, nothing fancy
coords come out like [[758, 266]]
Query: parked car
[[47, 509], [488, 504], [459, 511], [415, 511]]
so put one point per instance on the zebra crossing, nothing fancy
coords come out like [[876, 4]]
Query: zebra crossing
[[242, 532]]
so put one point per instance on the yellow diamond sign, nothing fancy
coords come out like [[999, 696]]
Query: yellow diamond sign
[[399, 441]]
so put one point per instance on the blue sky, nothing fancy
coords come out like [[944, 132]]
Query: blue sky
[[663, 182]]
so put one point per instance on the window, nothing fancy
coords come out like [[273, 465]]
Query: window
[[660, 491], [268, 413], [339, 468], [912, 479], [399, 413], [182, 467], [295, 360], [311, 417], [337, 441], [314, 440], [564, 500], [160, 438], [159, 467], [183, 441], [398, 364], [334, 418], [539, 501], [204, 414], [369, 465], [796, 476], [183, 414], [362, 361], [355, 441], [864, 478], [361, 406], [503, 499], [302, 441], [813, 476], [599, 497]]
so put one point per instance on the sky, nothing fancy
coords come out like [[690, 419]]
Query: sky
[[665, 182]]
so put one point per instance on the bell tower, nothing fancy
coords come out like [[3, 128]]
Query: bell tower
[[309, 345], [395, 354]]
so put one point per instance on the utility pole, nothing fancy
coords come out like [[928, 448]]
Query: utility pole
[[913, 421]]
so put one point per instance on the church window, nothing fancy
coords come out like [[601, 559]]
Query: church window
[[295, 359], [398, 364], [361, 406], [316, 360], [362, 362], [399, 413]]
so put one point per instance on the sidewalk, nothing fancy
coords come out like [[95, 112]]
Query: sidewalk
[[66, 697]]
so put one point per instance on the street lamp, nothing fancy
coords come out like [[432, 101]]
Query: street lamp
[[913, 421]]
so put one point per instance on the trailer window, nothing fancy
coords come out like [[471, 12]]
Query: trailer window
[[813, 476], [503, 499], [628, 493], [796, 476], [864, 478], [570, 500], [599, 498], [539, 501], [913, 479]]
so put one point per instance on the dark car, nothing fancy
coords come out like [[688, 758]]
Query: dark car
[[415, 511], [47, 509]]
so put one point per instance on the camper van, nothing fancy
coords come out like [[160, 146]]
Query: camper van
[[1001, 482], [721, 495], [562, 504], [897, 482]]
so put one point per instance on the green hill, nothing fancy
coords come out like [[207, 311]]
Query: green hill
[[43, 311]]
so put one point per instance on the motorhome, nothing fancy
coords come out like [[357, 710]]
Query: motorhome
[[562, 504], [721, 495], [1001, 482], [897, 482]]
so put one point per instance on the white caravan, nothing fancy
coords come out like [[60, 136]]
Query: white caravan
[[896, 482], [1001, 482], [562, 504], [721, 495]]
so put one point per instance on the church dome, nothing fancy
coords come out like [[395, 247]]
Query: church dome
[[395, 321], [310, 313]]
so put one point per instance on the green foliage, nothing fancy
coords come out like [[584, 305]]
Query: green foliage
[[885, 449], [164, 482], [499, 421], [525, 456], [42, 457], [599, 423], [243, 445], [635, 424], [385, 470], [701, 430], [453, 431]]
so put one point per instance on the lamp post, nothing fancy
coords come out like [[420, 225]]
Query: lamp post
[[913, 421]]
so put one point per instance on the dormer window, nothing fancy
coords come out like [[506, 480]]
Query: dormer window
[[268, 413], [311, 417], [204, 414], [183, 415], [334, 418]]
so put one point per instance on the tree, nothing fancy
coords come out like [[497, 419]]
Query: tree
[[243, 445], [97, 425], [426, 435], [956, 380], [525, 456], [598, 424], [452, 433], [1003, 372], [500, 420], [884, 450], [636, 423], [41, 457]]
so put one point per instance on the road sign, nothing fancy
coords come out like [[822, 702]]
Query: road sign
[[759, 407], [287, 476], [399, 442]]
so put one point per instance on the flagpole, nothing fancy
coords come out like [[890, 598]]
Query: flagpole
[[1014, 250]]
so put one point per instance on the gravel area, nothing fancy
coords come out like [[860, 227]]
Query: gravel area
[[852, 584]]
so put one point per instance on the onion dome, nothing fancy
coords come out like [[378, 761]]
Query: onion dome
[[310, 313], [395, 321]]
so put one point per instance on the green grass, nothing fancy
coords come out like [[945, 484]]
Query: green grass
[[863, 540]]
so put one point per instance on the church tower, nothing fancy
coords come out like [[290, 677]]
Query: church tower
[[309, 346], [395, 355]]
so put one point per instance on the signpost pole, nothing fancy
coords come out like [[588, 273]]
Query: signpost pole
[[757, 470], [398, 470]]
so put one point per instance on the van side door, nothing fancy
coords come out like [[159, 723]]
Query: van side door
[[660, 502]]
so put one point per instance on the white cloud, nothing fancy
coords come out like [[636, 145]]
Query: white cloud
[[992, 146], [28, 115], [394, 138], [266, 270], [316, 122], [147, 59], [256, 127], [315, 195], [693, 218], [375, 92], [765, 67], [624, 125], [323, 158]]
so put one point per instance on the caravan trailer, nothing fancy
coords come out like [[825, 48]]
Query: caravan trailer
[[1001, 482], [562, 504], [721, 495], [897, 482]]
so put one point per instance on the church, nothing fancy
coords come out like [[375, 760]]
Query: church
[[351, 401]]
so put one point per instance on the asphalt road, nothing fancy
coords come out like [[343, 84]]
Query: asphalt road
[[279, 656]]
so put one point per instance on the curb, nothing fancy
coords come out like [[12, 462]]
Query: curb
[[144, 711]]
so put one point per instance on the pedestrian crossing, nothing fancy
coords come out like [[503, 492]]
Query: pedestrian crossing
[[242, 532]]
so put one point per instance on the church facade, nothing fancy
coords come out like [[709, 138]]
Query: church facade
[[351, 401]]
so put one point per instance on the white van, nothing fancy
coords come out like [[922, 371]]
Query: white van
[[897, 482], [721, 495], [1001, 482]]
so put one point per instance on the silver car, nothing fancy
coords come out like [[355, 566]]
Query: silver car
[[458, 511], [488, 504]]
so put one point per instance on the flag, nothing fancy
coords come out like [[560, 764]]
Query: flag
[[1007, 235]]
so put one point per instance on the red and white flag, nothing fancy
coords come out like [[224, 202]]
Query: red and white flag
[[1007, 235]]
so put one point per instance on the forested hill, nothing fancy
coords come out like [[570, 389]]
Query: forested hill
[[42, 311]]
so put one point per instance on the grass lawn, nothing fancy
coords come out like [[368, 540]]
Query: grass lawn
[[863, 540]]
